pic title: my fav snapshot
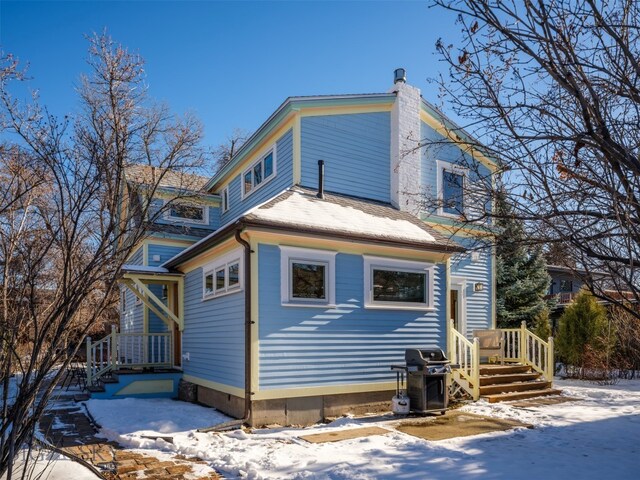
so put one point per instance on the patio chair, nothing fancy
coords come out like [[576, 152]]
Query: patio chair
[[490, 342]]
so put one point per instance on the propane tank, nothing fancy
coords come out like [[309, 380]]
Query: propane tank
[[400, 403]]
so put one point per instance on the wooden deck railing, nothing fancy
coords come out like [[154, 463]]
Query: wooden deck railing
[[127, 350], [466, 355], [519, 345]]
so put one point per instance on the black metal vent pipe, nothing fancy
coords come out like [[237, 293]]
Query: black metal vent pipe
[[320, 179]]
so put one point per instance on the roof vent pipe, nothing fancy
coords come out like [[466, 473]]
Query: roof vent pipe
[[399, 75], [320, 179]]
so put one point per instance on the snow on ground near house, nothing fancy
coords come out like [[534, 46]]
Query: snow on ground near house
[[47, 465], [595, 437]]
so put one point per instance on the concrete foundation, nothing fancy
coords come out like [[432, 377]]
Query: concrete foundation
[[298, 410], [226, 403]]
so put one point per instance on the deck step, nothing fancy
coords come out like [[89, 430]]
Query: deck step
[[503, 369], [95, 389], [506, 397], [507, 378], [514, 387]]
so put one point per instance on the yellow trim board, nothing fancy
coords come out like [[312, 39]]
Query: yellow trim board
[[286, 124], [146, 386], [462, 145], [209, 255], [238, 392], [297, 150], [345, 110], [167, 241], [345, 246], [255, 317], [323, 390]]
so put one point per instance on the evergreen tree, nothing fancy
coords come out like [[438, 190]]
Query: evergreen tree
[[584, 339], [522, 278], [542, 325]]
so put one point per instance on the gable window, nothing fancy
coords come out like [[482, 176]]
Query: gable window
[[188, 213], [391, 283], [225, 199], [259, 172], [307, 277], [223, 276], [451, 183]]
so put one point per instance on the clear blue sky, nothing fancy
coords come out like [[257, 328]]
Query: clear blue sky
[[231, 63]]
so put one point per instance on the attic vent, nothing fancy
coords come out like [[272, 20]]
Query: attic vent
[[399, 75]]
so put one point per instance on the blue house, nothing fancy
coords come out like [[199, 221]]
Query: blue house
[[286, 287]]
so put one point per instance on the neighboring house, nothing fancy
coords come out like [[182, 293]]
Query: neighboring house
[[565, 284], [293, 295]]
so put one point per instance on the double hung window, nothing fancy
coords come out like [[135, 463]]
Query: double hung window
[[259, 173], [223, 276]]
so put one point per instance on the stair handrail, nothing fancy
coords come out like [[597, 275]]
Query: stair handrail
[[465, 355], [101, 356], [537, 353]]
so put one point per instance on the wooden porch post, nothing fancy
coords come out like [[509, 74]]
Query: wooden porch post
[[551, 364]]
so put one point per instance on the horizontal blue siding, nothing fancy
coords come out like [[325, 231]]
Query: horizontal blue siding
[[302, 347], [478, 303], [436, 147], [137, 258], [213, 334], [165, 251], [282, 181], [356, 150]]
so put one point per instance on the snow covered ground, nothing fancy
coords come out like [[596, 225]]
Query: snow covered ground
[[595, 437], [48, 465]]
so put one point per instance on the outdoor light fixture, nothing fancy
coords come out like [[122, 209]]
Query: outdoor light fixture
[[478, 287]]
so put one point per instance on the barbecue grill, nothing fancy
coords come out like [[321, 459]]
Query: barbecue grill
[[427, 371]]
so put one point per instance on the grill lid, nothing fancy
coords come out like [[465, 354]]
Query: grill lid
[[425, 356]]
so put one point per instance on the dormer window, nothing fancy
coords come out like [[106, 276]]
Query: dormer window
[[259, 173], [451, 185], [188, 213]]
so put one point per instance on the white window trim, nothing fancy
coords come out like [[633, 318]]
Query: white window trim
[[205, 213], [272, 149], [314, 256], [225, 191], [460, 284], [384, 263], [441, 166], [223, 262]]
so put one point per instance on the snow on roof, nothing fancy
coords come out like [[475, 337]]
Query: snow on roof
[[144, 269], [300, 208]]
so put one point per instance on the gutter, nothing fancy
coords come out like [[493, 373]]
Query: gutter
[[197, 249]]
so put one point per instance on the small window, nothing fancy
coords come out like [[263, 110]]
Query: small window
[[401, 284], [123, 300], [307, 277], [186, 212], [308, 280], [451, 189], [259, 173], [452, 193], [223, 276], [225, 199]]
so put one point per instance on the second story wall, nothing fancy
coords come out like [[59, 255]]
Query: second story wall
[[439, 153], [282, 179], [356, 151]]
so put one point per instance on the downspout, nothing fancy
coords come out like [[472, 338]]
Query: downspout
[[247, 325], [247, 348]]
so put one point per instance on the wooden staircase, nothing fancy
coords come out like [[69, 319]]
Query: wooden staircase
[[503, 383]]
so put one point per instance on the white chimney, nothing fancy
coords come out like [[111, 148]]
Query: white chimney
[[405, 141]]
